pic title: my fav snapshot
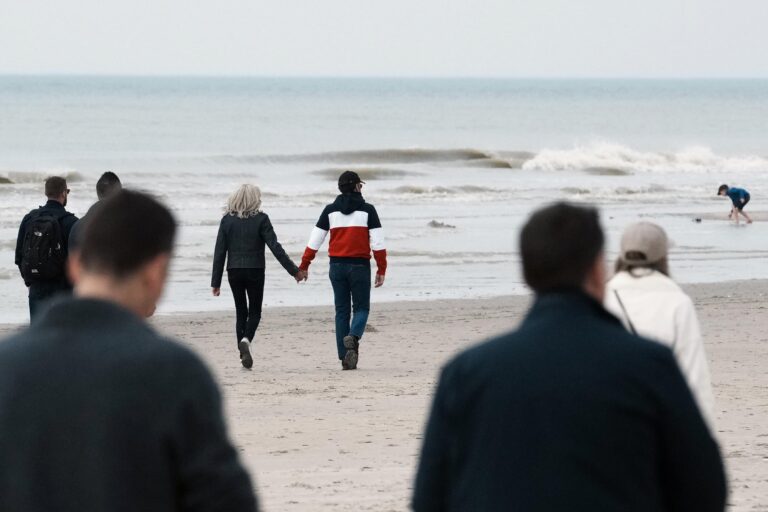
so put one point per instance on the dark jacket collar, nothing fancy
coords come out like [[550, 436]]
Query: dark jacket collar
[[52, 203], [572, 301], [77, 312]]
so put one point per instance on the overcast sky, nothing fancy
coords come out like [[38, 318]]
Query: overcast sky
[[538, 38]]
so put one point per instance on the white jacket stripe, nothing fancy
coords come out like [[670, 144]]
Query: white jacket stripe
[[377, 239], [356, 219], [316, 238]]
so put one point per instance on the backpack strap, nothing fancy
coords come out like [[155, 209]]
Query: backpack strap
[[626, 315]]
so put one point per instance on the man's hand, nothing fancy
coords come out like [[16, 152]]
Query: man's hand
[[216, 291], [379, 281], [301, 275]]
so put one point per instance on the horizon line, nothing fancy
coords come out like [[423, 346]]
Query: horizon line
[[382, 77]]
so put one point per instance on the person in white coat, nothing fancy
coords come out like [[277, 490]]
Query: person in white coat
[[649, 303]]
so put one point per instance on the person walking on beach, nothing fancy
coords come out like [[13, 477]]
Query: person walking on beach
[[650, 304], [570, 411], [97, 410], [42, 246], [739, 197], [106, 185], [355, 231], [244, 231]]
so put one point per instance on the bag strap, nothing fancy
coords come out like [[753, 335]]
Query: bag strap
[[626, 315], [59, 216]]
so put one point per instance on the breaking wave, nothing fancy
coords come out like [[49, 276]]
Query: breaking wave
[[27, 177], [653, 189], [602, 158], [614, 159], [383, 156], [366, 173], [438, 190]]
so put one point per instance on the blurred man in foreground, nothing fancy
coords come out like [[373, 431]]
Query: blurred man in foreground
[[570, 411], [97, 411]]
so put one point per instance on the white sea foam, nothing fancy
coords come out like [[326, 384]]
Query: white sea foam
[[609, 156]]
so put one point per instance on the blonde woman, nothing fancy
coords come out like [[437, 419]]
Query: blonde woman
[[243, 233]]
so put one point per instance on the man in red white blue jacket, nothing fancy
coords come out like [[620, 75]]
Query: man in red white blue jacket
[[355, 232]]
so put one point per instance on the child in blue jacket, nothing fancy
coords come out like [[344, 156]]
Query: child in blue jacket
[[739, 197]]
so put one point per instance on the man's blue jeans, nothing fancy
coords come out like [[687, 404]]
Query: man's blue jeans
[[352, 296]]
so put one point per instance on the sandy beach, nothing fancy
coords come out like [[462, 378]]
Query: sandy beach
[[316, 438]]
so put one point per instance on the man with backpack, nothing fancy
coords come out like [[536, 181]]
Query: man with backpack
[[41, 247]]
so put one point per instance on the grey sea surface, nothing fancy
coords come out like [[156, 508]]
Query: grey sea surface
[[454, 167]]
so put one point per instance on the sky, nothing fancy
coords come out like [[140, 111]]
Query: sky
[[425, 38]]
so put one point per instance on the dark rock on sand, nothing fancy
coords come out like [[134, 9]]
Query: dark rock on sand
[[440, 225]]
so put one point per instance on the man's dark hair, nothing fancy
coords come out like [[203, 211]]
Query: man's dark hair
[[127, 230], [108, 184], [348, 181], [55, 186], [559, 245], [722, 188]]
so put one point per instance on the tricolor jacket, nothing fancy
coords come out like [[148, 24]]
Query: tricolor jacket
[[355, 232]]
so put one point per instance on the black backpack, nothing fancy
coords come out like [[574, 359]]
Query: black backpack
[[43, 252]]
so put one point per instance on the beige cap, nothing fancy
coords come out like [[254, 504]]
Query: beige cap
[[643, 243]]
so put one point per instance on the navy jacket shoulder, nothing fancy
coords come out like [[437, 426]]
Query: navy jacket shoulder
[[131, 420]]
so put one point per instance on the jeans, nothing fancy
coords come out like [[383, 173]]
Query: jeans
[[248, 290], [351, 281]]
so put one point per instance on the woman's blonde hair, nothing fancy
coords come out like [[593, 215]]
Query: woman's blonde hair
[[244, 202]]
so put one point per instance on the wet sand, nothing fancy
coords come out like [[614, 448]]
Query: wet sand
[[319, 439]]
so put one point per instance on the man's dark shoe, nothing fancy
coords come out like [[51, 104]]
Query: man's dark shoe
[[245, 353], [344, 365], [352, 345]]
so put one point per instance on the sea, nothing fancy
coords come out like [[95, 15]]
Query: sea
[[453, 166]]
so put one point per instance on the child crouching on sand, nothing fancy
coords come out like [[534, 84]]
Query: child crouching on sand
[[739, 197]]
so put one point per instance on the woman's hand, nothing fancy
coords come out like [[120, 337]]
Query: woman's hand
[[216, 291], [301, 275]]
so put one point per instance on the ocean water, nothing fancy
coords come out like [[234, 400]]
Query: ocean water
[[453, 166]]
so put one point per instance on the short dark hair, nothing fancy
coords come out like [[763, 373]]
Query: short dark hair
[[559, 245], [348, 181], [126, 230], [722, 188], [55, 186], [107, 184]]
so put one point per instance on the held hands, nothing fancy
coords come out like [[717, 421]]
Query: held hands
[[301, 275], [216, 291], [379, 281]]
